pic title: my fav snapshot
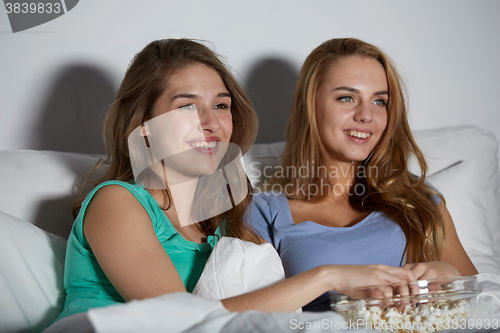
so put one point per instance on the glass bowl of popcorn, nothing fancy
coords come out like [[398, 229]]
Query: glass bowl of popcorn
[[418, 306]]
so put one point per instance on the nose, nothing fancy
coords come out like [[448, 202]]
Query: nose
[[209, 123], [363, 113]]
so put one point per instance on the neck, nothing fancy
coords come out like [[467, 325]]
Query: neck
[[342, 176], [182, 199]]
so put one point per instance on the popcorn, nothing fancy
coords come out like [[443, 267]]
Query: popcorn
[[433, 305], [420, 318]]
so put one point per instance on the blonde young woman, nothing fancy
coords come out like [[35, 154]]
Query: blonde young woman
[[357, 204], [128, 241]]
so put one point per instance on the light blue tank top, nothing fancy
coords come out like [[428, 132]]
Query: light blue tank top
[[377, 239]]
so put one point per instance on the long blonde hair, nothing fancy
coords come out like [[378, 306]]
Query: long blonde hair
[[404, 197], [144, 82]]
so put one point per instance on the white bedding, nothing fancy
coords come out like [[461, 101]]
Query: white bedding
[[488, 300], [184, 312], [256, 266]]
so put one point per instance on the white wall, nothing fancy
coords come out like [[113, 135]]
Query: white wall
[[56, 78]]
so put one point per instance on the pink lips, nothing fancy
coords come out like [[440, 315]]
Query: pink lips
[[358, 135]]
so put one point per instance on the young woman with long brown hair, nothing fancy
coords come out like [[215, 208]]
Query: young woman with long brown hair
[[128, 240], [344, 194]]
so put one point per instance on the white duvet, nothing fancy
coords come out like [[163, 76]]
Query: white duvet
[[237, 267]]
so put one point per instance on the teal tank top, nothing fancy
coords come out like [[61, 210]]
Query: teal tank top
[[85, 282]]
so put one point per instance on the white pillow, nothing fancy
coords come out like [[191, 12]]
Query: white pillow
[[466, 204], [235, 267], [40, 186], [31, 276], [471, 190]]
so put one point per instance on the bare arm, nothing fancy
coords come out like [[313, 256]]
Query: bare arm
[[122, 238], [454, 252], [299, 290], [455, 261]]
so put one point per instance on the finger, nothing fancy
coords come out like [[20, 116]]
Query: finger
[[402, 289], [402, 305], [405, 274], [387, 277], [377, 292], [414, 288], [408, 266], [419, 270], [430, 274], [434, 285], [382, 292]]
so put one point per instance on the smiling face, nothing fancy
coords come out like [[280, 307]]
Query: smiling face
[[351, 108], [190, 120]]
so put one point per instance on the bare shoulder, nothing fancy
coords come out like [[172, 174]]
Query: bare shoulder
[[112, 207], [113, 194], [123, 240]]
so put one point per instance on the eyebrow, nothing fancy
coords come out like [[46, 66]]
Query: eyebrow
[[192, 96], [382, 92]]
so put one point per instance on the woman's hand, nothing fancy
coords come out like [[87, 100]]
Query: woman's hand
[[370, 275], [300, 289], [432, 270], [352, 276]]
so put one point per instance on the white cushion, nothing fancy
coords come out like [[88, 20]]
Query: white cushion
[[235, 267], [31, 276], [470, 188], [465, 201], [40, 186]]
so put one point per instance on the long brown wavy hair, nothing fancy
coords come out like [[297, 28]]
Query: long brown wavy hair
[[145, 81], [404, 197]]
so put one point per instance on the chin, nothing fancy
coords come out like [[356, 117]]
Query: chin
[[357, 158]]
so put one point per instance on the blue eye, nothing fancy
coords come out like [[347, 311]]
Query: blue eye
[[346, 99], [380, 102]]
